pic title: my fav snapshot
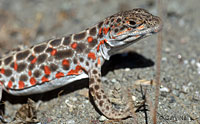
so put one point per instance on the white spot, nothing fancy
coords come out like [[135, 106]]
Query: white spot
[[70, 122], [127, 69], [164, 89], [134, 98], [102, 118]]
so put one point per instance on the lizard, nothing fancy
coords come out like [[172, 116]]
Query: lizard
[[59, 61]]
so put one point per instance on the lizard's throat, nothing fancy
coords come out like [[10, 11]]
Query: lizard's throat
[[107, 50]]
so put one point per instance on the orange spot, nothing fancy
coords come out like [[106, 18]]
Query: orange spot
[[99, 61], [10, 83], [32, 81], [138, 22], [74, 45], [92, 55], [29, 73], [137, 36], [2, 71], [34, 60], [59, 75], [76, 71], [105, 30], [113, 37], [100, 30], [123, 31], [90, 39], [15, 65], [65, 63], [21, 84], [53, 52], [47, 70], [44, 79], [140, 27], [113, 26], [101, 42]]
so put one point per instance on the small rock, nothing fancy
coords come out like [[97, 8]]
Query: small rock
[[175, 92], [104, 79], [127, 69], [182, 96], [172, 99], [164, 89], [164, 59], [66, 101], [197, 96], [113, 80], [190, 84], [134, 98], [117, 86], [102, 118], [198, 67], [193, 61], [185, 89], [167, 49], [185, 62], [73, 99], [179, 56], [70, 122]]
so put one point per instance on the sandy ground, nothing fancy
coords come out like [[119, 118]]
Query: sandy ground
[[27, 22]]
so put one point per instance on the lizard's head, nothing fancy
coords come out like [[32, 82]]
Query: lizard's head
[[127, 27]]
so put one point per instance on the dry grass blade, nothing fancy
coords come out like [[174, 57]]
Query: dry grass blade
[[158, 63]]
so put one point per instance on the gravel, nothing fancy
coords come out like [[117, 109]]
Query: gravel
[[27, 22]]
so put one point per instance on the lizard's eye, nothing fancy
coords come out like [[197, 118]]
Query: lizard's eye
[[132, 22]]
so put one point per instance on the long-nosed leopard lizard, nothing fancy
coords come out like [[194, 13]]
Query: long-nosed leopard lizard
[[57, 62]]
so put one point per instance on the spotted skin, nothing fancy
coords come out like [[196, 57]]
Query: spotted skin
[[60, 61]]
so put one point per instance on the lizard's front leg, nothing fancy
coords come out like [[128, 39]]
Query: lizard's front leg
[[100, 98]]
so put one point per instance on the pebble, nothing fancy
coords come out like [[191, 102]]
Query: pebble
[[185, 89], [113, 80], [197, 96], [70, 122], [175, 92], [164, 59], [181, 22], [66, 101], [73, 99], [164, 89], [172, 99], [182, 96], [198, 67], [102, 118], [193, 61], [104, 79], [185, 62], [117, 86], [134, 98], [167, 49], [127, 69]]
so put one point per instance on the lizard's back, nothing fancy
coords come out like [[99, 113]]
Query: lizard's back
[[43, 66]]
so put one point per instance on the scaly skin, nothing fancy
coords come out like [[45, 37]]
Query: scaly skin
[[60, 61]]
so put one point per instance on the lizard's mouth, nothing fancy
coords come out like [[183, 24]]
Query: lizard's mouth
[[130, 36]]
